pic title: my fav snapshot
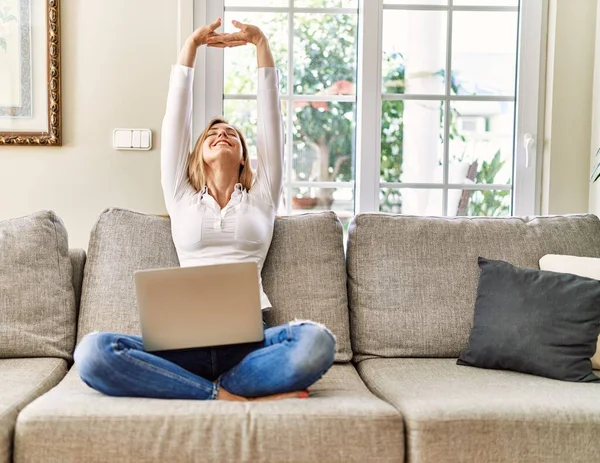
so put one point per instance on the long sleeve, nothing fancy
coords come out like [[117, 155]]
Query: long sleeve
[[270, 139], [176, 135]]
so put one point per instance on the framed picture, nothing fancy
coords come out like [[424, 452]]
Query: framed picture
[[30, 107]]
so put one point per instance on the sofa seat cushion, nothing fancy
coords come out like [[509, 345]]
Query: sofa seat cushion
[[454, 413], [21, 381], [341, 422]]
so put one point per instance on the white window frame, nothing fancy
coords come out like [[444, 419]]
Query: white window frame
[[531, 88], [526, 182]]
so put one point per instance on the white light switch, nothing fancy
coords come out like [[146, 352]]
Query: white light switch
[[132, 139], [122, 139], [145, 142], [135, 139]]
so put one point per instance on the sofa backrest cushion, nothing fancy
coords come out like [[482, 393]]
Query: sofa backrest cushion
[[37, 299], [413, 280], [304, 273], [121, 242]]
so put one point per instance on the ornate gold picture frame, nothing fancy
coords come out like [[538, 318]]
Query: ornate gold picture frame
[[30, 97]]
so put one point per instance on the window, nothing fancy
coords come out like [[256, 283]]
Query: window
[[405, 106]]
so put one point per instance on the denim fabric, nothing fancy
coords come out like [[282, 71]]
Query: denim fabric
[[292, 357]]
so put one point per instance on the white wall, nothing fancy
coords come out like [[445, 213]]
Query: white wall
[[595, 188], [116, 58], [571, 45]]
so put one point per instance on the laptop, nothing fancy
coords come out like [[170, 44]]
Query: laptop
[[203, 306]]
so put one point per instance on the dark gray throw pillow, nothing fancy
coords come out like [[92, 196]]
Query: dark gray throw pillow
[[534, 321]]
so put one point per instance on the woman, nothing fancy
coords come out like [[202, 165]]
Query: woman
[[217, 214]]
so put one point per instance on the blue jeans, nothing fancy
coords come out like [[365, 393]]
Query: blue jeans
[[292, 357]]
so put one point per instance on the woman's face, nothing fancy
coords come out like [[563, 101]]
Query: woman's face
[[223, 145]]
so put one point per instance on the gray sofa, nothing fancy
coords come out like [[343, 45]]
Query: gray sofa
[[400, 301]]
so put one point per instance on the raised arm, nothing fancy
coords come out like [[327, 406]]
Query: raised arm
[[176, 126], [269, 140]]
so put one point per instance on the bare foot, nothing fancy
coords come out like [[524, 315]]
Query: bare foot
[[287, 395], [224, 395]]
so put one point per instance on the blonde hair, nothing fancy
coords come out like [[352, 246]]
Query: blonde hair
[[196, 163]]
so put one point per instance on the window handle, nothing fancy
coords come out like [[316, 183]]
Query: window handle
[[528, 141]]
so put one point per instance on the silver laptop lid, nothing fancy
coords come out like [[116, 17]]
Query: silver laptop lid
[[201, 306]]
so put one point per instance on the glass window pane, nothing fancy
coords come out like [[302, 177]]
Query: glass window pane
[[241, 68], [486, 2], [326, 3], [415, 2], [323, 141], [242, 114], [411, 201], [488, 203], [412, 141], [253, 3], [484, 52], [414, 52], [481, 147], [325, 54]]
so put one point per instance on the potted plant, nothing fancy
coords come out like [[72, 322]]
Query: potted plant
[[303, 199]]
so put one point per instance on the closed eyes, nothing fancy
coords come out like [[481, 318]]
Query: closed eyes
[[231, 133]]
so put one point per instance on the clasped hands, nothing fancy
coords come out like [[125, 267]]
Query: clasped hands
[[207, 35]]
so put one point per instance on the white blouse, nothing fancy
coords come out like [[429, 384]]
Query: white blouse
[[203, 233]]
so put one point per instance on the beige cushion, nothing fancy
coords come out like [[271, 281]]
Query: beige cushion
[[121, 242], [37, 300], [461, 414], [342, 421], [412, 280], [21, 381], [304, 274], [583, 266]]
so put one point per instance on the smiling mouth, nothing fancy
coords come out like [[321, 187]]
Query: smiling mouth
[[222, 142]]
